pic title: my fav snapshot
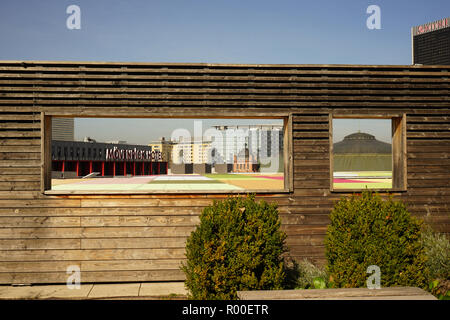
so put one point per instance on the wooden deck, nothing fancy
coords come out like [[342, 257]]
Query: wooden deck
[[392, 293]]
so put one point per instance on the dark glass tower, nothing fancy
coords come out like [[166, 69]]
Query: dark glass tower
[[431, 43]]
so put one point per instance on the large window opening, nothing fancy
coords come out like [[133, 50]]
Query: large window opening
[[367, 153], [167, 155]]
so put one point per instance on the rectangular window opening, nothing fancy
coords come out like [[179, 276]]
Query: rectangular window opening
[[165, 155], [368, 153]]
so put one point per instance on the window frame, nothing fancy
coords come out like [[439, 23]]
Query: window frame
[[399, 156], [46, 162]]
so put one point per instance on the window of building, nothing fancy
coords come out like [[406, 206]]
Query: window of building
[[146, 155], [368, 153]]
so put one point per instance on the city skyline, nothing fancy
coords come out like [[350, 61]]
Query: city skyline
[[144, 131], [258, 32]]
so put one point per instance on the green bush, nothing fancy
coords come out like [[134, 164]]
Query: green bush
[[437, 249], [310, 276], [238, 245], [367, 230]]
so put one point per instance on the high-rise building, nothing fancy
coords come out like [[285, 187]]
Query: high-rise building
[[431, 43], [194, 150], [165, 147], [63, 129], [264, 141]]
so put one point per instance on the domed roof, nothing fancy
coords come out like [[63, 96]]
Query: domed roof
[[359, 136], [361, 142]]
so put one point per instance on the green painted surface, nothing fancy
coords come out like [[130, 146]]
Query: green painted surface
[[355, 185]]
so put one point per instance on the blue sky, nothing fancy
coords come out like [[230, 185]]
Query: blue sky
[[216, 31]]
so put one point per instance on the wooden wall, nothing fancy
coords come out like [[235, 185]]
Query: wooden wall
[[141, 237]]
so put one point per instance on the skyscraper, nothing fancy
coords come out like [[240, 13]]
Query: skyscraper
[[63, 129], [431, 43]]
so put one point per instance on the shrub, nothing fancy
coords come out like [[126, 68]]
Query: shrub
[[238, 245], [437, 249], [310, 276], [367, 230]]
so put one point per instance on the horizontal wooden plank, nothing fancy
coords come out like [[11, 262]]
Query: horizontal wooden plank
[[305, 240], [309, 134], [36, 266], [429, 175], [312, 192], [415, 149], [391, 293], [304, 119], [428, 126], [304, 229], [93, 232], [36, 244], [91, 277], [445, 182], [40, 203], [19, 116], [423, 134], [181, 202], [308, 184], [20, 142], [20, 148], [299, 250], [22, 195], [420, 119], [107, 211], [91, 255], [20, 125], [311, 163], [86, 266], [424, 169], [19, 155], [136, 232], [311, 143], [18, 177], [38, 222], [306, 219], [16, 171], [428, 142], [423, 161], [20, 185], [139, 221], [429, 155], [248, 101], [321, 149], [311, 156], [134, 243], [299, 175], [20, 134], [312, 126], [295, 90]]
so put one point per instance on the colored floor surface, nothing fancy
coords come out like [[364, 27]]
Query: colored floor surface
[[187, 182]]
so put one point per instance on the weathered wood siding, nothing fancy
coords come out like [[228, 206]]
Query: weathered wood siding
[[142, 237]]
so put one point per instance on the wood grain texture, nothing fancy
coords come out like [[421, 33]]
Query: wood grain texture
[[141, 237]]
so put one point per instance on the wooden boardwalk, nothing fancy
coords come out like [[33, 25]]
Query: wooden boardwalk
[[392, 293]]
